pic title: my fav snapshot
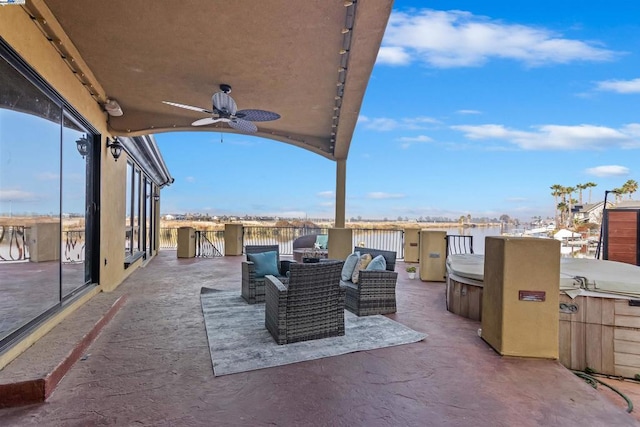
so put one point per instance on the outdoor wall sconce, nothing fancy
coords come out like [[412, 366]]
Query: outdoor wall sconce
[[115, 147], [83, 146], [156, 197]]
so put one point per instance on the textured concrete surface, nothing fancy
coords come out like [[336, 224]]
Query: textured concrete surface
[[151, 366]]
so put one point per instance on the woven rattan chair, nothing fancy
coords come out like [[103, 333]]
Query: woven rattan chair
[[375, 292], [252, 286], [309, 307]]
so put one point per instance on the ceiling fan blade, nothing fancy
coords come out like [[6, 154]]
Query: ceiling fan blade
[[210, 121], [243, 125], [257, 115], [188, 107], [205, 121], [224, 103]]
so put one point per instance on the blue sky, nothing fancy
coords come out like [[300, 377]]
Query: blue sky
[[472, 108]]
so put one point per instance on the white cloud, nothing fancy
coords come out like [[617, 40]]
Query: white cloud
[[378, 195], [190, 179], [420, 138], [468, 112], [558, 137], [327, 204], [393, 55], [326, 194], [620, 86], [516, 199], [608, 170], [382, 124], [385, 124], [446, 39], [48, 176], [16, 196], [410, 140]]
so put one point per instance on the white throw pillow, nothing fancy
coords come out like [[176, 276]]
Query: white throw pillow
[[349, 266], [362, 264]]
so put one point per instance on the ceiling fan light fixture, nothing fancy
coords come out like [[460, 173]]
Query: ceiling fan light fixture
[[225, 110], [112, 108]]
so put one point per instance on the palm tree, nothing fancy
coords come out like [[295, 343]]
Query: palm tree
[[569, 192], [590, 185], [630, 187], [580, 187], [556, 192], [619, 192], [562, 208]]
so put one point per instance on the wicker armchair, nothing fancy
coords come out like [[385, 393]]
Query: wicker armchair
[[375, 292], [252, 286], [309, 307]]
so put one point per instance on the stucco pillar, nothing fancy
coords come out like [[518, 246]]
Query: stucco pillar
[[44, 242], [186, 242], [233, 234], [411, 244], [340, 243], [520, 315], [341, 182], [433, 256]]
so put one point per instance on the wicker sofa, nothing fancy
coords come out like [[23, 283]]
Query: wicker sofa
[[310, 306], [375, 292], [252, 286]]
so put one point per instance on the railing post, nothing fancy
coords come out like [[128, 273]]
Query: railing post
[[233, 234], [44, 244], [433, 255], [411, 244], [186, 242]]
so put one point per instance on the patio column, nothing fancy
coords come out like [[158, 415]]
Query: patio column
[[233, 234], [520, 300], [44, 242], [340, 243], [341, 181]]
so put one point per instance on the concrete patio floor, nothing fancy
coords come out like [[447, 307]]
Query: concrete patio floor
[[151, 366]]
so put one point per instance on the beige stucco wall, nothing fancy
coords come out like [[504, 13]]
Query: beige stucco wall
[[17, 28]]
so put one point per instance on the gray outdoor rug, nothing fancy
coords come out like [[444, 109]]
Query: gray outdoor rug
[[239, 341]]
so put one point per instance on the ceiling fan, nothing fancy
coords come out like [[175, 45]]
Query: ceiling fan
[[225, 110]]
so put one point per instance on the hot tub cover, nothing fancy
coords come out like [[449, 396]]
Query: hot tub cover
[[577, 275]]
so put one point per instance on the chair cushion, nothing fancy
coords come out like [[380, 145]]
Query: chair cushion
[[265, 263], [349, 265], [365, 259], [378, 263], [322, 240]]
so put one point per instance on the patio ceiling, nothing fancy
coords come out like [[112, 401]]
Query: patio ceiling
[[277, 55]]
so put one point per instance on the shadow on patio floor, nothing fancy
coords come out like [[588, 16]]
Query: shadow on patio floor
[[151, 366]]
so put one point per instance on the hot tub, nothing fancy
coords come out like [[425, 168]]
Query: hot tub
[[599, 310]]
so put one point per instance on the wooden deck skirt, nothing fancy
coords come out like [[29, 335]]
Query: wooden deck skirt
[[599, 326]]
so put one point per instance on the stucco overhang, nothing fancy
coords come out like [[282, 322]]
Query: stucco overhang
[[282, 56]]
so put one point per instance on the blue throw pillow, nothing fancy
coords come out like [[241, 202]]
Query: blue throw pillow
[[349, 266], [265, 263], [378, 264]]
